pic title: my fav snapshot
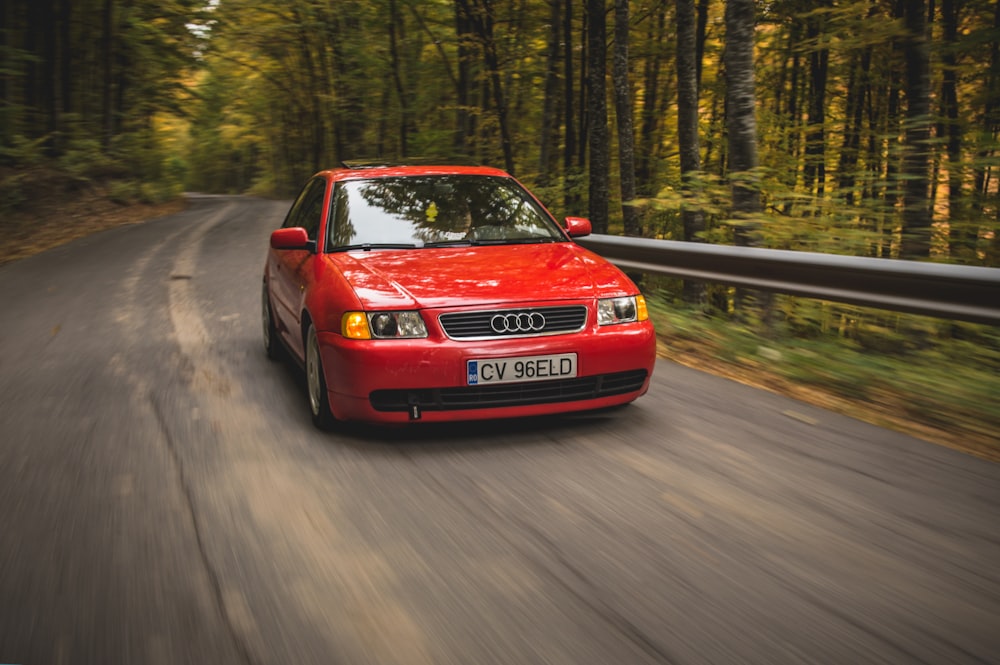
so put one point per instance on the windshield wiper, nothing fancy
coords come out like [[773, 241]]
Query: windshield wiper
[[368, 246], [515, 241], [452, 243]]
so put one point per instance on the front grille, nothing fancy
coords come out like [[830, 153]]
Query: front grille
[[478, 325], [510, 394]]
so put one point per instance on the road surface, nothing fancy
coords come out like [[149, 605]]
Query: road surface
[[165, 499]]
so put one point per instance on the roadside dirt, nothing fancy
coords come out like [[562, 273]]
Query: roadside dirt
[[884, 412], [64, 217]]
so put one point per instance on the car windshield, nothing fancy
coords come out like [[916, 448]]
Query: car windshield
[[434, 211]]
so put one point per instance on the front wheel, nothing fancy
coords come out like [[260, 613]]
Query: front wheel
[[319, 398]]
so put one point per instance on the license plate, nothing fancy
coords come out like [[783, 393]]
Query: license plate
[[518, 370]]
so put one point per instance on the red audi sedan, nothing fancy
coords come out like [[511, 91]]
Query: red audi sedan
[[442, 293]]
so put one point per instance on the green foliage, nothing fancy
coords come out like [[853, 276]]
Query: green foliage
[[85, 160], [125, 192], [84, 87], [23, 152], [160, 191], [12, 194]]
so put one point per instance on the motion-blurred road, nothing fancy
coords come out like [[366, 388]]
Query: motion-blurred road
[[164, 499]]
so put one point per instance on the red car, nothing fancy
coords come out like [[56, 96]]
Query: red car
[[442, 293]]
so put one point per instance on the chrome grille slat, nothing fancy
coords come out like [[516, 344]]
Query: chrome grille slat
[[477, 325]]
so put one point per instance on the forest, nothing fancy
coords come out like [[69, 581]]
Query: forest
[[861, 127]]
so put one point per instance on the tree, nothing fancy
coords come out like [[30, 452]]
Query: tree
[[480, 16], [950, 126], [547, 153], [623, 112], [692, 217], [651, 115], [916, 242], [83, 84], [859, 92], [819, 58], [464, 118], [991, 121], [597, 114], [741, 122], [570, 150], [846, 151]]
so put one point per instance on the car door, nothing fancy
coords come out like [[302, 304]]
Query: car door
[[289, 267]]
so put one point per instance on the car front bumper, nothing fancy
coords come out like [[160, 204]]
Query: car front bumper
[[398, 381]]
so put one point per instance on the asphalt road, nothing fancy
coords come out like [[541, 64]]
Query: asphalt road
[[164, 499]]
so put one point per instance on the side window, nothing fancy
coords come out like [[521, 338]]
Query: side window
[[307, 211], [341, 231]]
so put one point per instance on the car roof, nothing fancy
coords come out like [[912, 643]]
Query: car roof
[[354, 170]]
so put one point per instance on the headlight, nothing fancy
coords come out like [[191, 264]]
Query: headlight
[[621, 310], [383, 325]]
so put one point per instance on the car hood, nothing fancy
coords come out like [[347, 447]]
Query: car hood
[[463, 276]]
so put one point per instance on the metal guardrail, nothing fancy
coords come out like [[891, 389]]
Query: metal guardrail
[[964, 293]]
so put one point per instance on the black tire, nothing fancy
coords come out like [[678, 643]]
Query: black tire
[[319, 398], [272, 345]]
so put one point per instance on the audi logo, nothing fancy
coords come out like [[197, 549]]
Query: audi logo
[[522, 322]]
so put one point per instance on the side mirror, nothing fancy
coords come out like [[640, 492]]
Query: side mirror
[[292, 238], [577, 227]]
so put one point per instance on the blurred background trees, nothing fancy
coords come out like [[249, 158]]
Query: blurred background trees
[[87, 89], [874, 122]]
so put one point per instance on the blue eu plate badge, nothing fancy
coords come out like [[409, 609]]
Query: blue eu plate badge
[[473, 372]]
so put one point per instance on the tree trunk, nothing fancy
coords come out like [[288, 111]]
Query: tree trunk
[[623, 112], [314, 123], [481, 17], [597, 114], [645, 172], [794, 91], [569, 108], [7, 114], [548, 154], [401, 97], [962, 237], [493, 65], [65, 55], [916, 240], [124, 116], [741, 127], [571, 198], [347, 92], [851, 146], [815, 167], [692, 217], [583, 90], [107, 81], [991, 121], [463, 119], [515, 40], [891, 127], [741, 123], [991, 115], [687, 110]]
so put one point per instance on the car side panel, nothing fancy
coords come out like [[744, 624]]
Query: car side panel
[[293, 271], [288, 288]]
